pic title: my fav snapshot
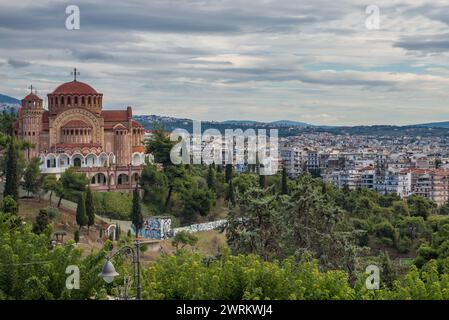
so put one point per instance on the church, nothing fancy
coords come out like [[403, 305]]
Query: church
[[75, 131]]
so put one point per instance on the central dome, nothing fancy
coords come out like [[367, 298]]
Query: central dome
[[75, 87]]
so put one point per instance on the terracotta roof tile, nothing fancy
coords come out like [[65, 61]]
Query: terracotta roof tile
[[75, 87]]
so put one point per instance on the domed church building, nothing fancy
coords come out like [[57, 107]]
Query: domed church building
[[75, 131]]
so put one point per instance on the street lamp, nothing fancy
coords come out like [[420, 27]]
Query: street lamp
[[108, 272]]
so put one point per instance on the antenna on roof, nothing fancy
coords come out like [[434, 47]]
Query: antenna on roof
[[74, 73]]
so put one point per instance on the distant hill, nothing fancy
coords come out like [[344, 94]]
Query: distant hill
[[444, 124], [285, 127], [289, 123], [292, 128], [9, 104]]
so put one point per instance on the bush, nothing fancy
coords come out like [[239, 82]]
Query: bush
[[77, 236], [52, 212]]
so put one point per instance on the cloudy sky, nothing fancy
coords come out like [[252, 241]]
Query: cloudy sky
[[313, 61]]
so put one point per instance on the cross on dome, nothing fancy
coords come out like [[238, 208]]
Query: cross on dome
[[74, 73]]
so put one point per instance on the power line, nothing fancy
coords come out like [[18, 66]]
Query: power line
[[25, 263]]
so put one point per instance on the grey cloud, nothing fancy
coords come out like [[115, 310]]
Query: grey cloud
[[15, 63], [425, 44], [91, 55]]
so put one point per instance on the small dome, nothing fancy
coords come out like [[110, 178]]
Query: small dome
[[32, 97], [75, 87]]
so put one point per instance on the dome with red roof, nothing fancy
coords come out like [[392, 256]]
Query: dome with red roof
[[74, 94], [31, 97], [75, 87]]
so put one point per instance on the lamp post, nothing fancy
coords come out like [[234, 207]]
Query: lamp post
[[108, 273]]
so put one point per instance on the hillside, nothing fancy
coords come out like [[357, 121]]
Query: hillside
[[291, 128], [8, 104]]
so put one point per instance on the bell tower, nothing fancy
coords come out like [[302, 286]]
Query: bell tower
[[30, 118]]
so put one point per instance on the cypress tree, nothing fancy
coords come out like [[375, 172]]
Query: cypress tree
[[262, 181], [284, 186], [81, 217], [211, 178], [228, 172], [11, 173], [136, 213], [90, 209], [231, 196], [77, 236]]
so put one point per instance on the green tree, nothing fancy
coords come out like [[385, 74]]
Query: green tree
[[230, 194], [159, 145], [81, 217], [197, 201], [211, 179], [229, 172], [42, 222], [136, 212], [177, 178], [284, 185], [10, 205], [11, 172], [32, 181], [263, 183], [73, 183], [76, 236], [256, 226], [90, 208], [184, 238], [420, 207], [154, 184], [53, 185]]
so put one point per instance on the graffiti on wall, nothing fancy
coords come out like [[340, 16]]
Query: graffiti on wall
[[158, 228]]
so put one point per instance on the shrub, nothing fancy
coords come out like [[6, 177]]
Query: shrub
[[52, 212]]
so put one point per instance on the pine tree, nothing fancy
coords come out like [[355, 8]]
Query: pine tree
[[90, 208], [11, 172], [136, 213], [284, 186], [81, 217]]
